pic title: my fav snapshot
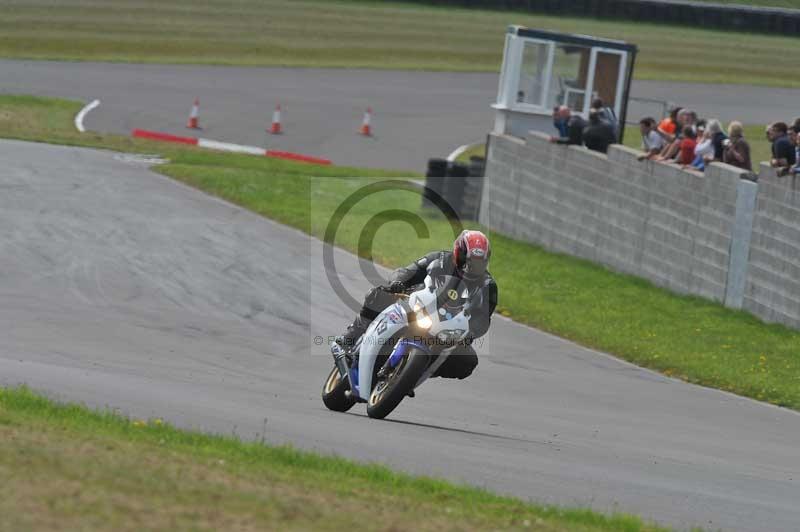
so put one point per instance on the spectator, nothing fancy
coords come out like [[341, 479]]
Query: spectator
[[783, 155], [795, 170], [717, 138], [704, 151], [599, 134], [669, 126], [690, 119], [737, 150], [699, 130], [686, 118], [558, 123], [652, 142], [687, 146], [794, 134], [607, 115], [575, 126]]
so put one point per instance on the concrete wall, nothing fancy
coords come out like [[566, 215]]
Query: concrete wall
[[683, 230], [773, 275]]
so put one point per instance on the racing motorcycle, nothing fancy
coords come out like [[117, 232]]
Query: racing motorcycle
[[401, 348]]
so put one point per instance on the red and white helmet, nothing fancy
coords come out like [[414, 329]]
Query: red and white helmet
[[471, 254]]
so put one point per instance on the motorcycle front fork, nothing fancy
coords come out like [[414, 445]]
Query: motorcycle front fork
[[340, 360]]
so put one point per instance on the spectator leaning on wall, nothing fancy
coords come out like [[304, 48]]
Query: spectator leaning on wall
[[783, 155], [704, 150], [652, 141], [737, 150], [769, 134], [794, 137], [718, 138], [559, 123], [793, 130], [686, 117], [599, 134], [710, 146], [607, 115], [795, 170], [669, 126], [575, 126], [687, 146]]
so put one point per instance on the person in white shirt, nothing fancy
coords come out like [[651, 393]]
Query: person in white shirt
[[704, 148], [709, 147], [652, 142]]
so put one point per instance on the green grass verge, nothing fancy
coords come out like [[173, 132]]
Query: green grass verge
[[316, 33], [65, 467], [477, 150], [689, 338]]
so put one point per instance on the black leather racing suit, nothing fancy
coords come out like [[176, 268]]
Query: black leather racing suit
[[483, 292]]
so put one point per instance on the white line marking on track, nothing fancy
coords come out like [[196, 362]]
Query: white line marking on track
[[82, 114], [458, 151], [226, 146]]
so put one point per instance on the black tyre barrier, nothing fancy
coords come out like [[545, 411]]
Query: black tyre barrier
[[459, 184], [455, 185], [477, 166], [434, 181], [473, 189]]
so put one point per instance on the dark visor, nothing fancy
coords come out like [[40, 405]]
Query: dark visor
[[475, 266]]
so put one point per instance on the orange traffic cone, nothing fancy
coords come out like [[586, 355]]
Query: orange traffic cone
[[366, 124], [193, 115], [275, 129]]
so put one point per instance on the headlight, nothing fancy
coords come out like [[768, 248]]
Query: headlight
[[449, 336], [422, 319]]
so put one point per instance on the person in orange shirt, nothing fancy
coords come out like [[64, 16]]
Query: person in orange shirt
[[669, 125]]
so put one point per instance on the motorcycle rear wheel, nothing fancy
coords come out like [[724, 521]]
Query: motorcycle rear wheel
[[388, 393], [333, 392]]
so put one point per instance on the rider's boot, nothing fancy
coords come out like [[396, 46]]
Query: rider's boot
[[347, 341]]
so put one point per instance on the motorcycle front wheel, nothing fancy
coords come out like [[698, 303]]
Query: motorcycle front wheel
[[333, 392], [388, 392]]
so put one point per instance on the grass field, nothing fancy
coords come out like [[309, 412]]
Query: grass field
[[316, 33], [66, 468], [684, 337]]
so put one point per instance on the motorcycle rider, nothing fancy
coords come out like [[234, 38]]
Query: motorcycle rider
[[468, 261]]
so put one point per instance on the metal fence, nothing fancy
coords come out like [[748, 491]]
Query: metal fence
[[639, 108]]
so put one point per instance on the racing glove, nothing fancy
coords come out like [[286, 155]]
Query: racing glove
[[396, 287]]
